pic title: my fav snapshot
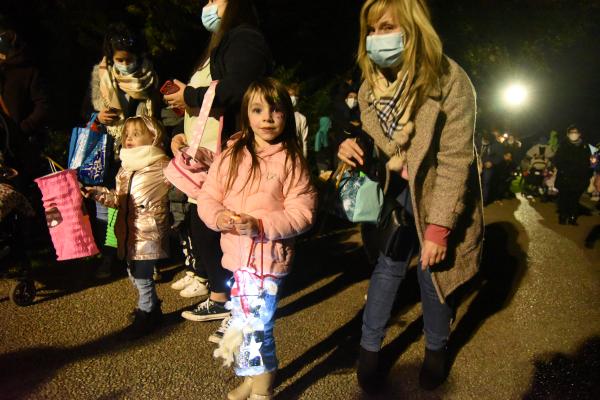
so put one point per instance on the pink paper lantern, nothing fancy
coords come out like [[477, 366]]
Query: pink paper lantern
[[66, 216]]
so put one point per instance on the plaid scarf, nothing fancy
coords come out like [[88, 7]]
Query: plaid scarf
[[138, 85], [393, 105]]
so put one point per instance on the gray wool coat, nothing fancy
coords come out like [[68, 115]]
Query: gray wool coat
[[442, 170]]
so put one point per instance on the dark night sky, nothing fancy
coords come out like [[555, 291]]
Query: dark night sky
[[320, 38]]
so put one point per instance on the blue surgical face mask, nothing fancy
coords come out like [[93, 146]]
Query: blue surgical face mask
[[386, 50], [126, 69], [210, 18]]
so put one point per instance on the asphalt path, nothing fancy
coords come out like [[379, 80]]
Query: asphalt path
[[528, 326]]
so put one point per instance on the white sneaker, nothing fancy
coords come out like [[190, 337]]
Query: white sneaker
[[183, 282], [196, 288], [217, 335]]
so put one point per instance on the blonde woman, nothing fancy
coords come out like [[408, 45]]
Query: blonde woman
[[418, 106]]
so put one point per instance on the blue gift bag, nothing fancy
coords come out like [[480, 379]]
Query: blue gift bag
[[88, 152]]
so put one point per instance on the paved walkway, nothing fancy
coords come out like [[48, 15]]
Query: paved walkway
[[528, 327]]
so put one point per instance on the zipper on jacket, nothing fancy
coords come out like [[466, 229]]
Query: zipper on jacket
[[127, 214]]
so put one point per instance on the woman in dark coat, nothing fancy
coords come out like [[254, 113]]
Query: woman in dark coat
[[237, 55], [572, 161]]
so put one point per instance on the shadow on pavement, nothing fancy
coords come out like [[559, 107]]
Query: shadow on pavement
[[344, 343], [22, 372], [318, 258], [592, 237], [502, 269], [562, 376], [59, 279]]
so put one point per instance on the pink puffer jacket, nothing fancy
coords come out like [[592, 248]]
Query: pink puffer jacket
[[284, 201]]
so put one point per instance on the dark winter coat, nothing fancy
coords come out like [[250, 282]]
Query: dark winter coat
[[573, 164], [493, 152], [25, 98], [342, 118], [240, 58]]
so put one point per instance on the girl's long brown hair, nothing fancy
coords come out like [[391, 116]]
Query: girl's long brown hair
[[276, 95], [422, 57]]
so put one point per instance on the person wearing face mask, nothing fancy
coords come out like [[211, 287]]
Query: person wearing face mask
[[513, 146], [24, 108], [490, 153], [346, 114], [237, 54], [124, 84], [301, 125], [418, 106], [572, 160]]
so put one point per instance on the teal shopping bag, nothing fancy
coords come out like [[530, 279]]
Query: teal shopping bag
[[360, 198]]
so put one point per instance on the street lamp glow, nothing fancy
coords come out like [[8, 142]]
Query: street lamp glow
[[515, 95]]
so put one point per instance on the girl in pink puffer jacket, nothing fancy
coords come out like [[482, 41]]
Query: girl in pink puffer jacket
[[258, 194]]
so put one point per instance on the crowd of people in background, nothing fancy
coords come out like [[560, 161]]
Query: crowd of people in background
[[561, 167], [258, 190]]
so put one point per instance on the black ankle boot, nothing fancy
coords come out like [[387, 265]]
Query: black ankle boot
[[573, 220], [141, 325], [562, 219], [367, 370], [156, 315], [434, 370]]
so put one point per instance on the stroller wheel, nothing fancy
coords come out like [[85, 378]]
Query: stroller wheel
[[23, 292]]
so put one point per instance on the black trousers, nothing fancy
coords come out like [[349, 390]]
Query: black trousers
[[206, 248], [568, 202]]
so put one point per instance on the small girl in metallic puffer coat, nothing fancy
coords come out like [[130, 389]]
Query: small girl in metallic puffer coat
[[142, 226]]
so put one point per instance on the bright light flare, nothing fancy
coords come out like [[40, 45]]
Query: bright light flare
[[515, 95]]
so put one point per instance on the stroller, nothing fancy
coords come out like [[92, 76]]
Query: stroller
[[16, 214], [538, 173]]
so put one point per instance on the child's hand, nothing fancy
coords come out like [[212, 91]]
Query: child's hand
[[225, 220], [246, 225], [88, 192]]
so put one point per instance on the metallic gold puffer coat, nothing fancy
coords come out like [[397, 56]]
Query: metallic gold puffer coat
[[143, 217]]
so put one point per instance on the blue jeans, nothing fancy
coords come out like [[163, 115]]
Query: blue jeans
[[385, 281], [101, 212], [249, 362], [140, 273]]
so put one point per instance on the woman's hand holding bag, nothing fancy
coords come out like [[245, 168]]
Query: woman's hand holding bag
[[188, 170]]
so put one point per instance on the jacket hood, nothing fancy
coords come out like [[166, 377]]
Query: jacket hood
[[263, 152], [270, 150]]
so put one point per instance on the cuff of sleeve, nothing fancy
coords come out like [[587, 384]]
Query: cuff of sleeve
[[437, 234], [193, 96]]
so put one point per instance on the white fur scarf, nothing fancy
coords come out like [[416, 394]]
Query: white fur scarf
[[140, 157]]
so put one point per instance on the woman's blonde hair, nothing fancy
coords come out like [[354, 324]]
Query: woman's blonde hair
[[149, 124], [422, 57]]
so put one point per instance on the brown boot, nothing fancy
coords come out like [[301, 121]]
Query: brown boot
[[262, 386], [241, 392]]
